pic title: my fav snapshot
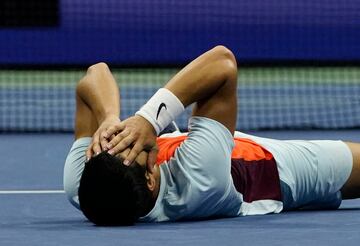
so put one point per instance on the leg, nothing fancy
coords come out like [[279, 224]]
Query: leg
[[351, 188]]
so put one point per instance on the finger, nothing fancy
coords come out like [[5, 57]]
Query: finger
[[103, 142], [89, 153], [152, 159], [138, 147], [123, 144], [114, 129], [117, 139], [96, 147], [103, 134]]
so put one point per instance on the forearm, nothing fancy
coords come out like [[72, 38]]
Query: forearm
[[201, 78], [210, 81], [99, 92]]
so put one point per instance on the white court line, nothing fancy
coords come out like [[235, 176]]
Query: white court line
[[6, 192]]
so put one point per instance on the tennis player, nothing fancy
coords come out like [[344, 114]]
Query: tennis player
[[211, 171]]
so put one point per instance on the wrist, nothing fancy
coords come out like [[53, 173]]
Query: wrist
[[107, 116], [146, 124], [162, 108]]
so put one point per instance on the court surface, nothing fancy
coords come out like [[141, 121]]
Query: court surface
[[34, 210]]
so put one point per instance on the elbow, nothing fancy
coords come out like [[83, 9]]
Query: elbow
[[227, 58], [98, 67], [92, 71], [223, 53], [80, 87]]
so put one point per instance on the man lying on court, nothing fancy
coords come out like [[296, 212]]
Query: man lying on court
[[209, 172]]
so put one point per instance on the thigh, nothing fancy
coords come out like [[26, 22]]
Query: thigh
[[351, 188]]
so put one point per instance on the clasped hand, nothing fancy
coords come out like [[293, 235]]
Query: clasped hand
[[115, 136]]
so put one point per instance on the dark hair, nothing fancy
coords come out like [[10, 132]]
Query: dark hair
[[111, 193]]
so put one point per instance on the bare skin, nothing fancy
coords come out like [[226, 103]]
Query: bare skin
[[212, 78], [214, 99], [351, 188], [97, 108]]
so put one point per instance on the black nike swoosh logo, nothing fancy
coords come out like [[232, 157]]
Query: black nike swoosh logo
[[159, 109]]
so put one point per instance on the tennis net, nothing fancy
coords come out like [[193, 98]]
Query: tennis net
[[43, 43], [269, 98]]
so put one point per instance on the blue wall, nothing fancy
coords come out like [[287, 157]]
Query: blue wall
[[129, 32]]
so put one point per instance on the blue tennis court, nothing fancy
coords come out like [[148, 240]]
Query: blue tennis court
[[299, 78], [35, 211]]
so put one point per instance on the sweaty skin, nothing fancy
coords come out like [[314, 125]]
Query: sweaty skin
[[212, 77]]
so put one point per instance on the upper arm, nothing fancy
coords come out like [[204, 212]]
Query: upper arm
[[222, 104], [210, 81], [97, 95], [85, 121]]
